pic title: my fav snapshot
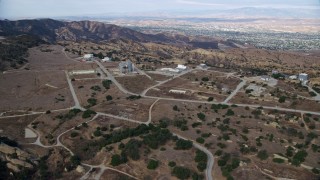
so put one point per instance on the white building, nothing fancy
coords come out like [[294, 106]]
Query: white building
[[265, 78], [181, 67], [88, 57], [303, 77], [203, 66], [177, 91], [106, 59], [170, 70], [293, 77], [126, 67], [80, 72]]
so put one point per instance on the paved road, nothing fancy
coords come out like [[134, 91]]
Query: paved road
[[32, 113], [317, 97], [102, 168], [142, 72], [65, 53], [240, 105], [110, 77], [150, 112], [208, 153], [74, 95], [165, 81], [235, 91]]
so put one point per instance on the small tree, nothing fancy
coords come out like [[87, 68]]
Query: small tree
[[229, 112], [183, 144], [109, 98], [282, 99], [172, 164], [210, 99], [201, 116], [153, 164], [200, 140], [74, 134], [263, 155], [181, 172]]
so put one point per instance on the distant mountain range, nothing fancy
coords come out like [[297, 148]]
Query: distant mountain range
[[52, 31]]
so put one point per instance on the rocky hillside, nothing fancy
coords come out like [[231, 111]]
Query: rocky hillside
[[53, 30]]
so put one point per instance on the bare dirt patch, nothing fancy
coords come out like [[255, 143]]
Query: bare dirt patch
[[30, 90], [14, 128], [135, 83]]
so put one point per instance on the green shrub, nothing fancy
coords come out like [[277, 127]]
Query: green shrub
[[92, 101], [278, 160], [109, 98], [182, 144], [200, 140], [181, 172], [282, 99], [205, 79], [172, 164], [74, 134], [153, 164], [106, 84], [88, 113], [229, 112], [201, 116], [116, 159], [263, 155]]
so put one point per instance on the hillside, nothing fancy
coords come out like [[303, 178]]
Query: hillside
[[52, 30]]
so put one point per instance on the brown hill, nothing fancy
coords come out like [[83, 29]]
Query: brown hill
[[53, 30]]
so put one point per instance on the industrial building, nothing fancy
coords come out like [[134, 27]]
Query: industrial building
[[303, 77], [178, 69], [126, 67], [106, 59], [293, 77], [203, 66], [265, 78], [181, 67], [82, 72], [177, 91], [88, 57], [170, 70]]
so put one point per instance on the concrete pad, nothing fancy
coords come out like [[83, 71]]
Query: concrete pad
[[30, 134]]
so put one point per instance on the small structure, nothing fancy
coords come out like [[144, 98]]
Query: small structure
[[303, 77], [29, 133], [203, 66], [126, 67], [177, 91], [181, 67], [171, 70], [80, 72], [293, 77], [275, 72], [106, 59], [88, 57], [265, 78]]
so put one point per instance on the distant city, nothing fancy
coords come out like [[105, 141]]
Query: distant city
[[266, 34]]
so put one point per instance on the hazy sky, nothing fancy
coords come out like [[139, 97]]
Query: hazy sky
[[54, 8]]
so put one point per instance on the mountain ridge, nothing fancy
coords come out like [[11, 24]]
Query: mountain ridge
[[53, 30]]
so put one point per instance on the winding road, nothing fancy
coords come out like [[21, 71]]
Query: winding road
[[208, 153], [102, 167]]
